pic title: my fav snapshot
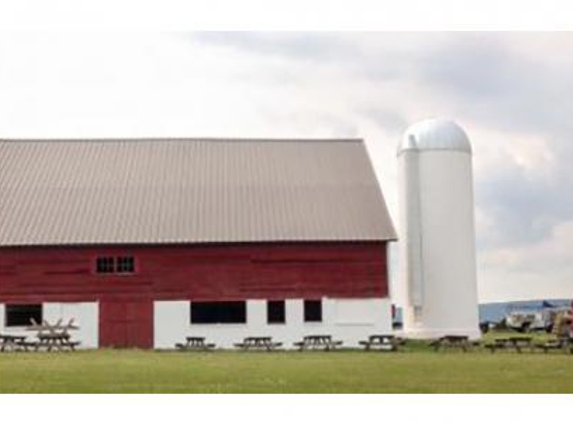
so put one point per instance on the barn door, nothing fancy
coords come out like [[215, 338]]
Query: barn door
[[126, 323]]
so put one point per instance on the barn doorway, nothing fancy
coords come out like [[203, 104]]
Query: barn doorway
[[126, 323]]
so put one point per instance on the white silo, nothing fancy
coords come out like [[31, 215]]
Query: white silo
[[437, 231]]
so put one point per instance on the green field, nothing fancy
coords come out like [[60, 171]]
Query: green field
[[411, 371]]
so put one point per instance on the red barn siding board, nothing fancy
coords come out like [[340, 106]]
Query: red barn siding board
[[198, 272]]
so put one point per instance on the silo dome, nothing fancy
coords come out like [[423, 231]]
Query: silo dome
[[435, 134]]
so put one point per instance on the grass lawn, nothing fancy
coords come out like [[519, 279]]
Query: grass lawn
[[411, 371]]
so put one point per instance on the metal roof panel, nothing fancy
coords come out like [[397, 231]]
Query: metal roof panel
[[150, 191]]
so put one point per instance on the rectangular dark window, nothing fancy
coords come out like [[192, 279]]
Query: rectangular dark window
[[112, 264], [105, 265], [125, 264], [22, 315], [312, 311], [219, 312], [276, 312]]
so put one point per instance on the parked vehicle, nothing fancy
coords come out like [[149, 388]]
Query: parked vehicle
[[527, 319]]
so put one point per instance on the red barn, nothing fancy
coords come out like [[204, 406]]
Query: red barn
[[147, 241]]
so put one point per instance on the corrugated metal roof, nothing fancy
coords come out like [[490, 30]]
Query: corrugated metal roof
[[149, 191]]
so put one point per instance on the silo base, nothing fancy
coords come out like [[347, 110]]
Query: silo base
[[433, 333]]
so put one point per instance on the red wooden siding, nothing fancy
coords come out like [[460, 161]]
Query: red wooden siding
[[198, 272]]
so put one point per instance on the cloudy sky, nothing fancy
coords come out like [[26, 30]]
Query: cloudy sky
[[512, 92]]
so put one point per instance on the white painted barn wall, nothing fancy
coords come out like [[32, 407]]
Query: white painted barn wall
[[2, 316], [85, 314], [349, 320]]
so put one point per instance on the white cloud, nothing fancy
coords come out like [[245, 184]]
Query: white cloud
[[543, 269]]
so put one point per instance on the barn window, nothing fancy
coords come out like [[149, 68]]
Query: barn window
[[312, 311], [276, 312], [22, 315], [112, 264], [219, 312], [105, 265], [125, 264]]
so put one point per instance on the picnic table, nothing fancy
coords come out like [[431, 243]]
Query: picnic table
[[560, 343], [452, 341], [258, 343], [323, 342], [49, 336], [56, 341], [384, 342], [518, 343], [11, 342], [195, 344], [54, 336]]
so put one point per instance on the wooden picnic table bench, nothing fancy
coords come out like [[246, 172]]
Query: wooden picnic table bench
[[27, 345], [195, 344], [560, 343], [384, 342], [56, 341], [323, 342], [258, 343], [11, 342], [53, 336], [452, 341], [506, 343]]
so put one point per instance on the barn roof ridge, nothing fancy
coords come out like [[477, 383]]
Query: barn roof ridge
[[183, 139]]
